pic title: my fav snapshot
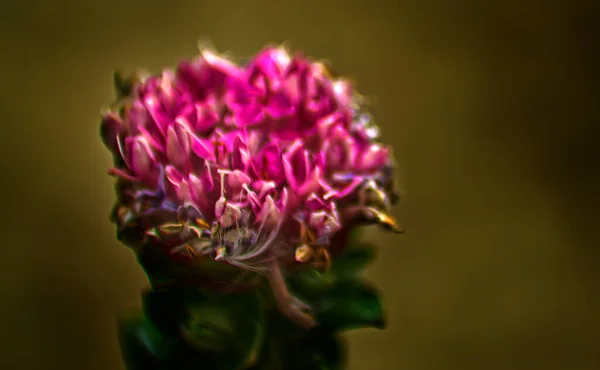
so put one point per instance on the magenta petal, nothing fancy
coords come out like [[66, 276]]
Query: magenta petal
[[325, 125], [249, 115], [280, 105], [227, 212], [348, 189], [206, 118], [141, 158], [272, 62], [208, 175], [289, 164], [221, 65], [200, 188], [178, 144], [269, 212], [240, 94], [137, 116], [195, 75], [183, 192], [315, 183], [292, 89], [235, 145], [263, 188], [236, 180], [299, 159], [206, 74], [314, 202], [174, 177], [269, 163], [253, 200], [284, 200], [203, 148], [157, 112], [343, 93], [340, 150], [325, 222], [142, 123], [373, 157]]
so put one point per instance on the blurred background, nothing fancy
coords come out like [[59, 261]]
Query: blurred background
[[495, 126]]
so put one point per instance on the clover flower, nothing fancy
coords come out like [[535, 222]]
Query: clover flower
[[264, 166]]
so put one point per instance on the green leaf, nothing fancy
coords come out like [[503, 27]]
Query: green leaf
[[124, 83], [313, 352], [142, 346], [310, 282], [347, 265], [346, 305], [225, 327], [352, 261], [350, 304]]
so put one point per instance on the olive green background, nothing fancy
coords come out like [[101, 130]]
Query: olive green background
[[489, 106]]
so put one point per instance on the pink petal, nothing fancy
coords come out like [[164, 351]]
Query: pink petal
[[203, 148], [375, 156], [178, 144]]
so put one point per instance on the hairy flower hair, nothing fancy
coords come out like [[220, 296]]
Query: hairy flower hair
[[259, 166]]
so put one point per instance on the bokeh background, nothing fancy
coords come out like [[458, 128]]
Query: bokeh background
[[489, 106]]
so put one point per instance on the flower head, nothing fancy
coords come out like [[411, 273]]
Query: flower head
[[247, 164]]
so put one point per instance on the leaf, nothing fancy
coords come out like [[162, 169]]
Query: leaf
[[225, 327], [310, 282], [142, 346], [350, 304], [124, 83], [352, 261], [346, 305], [313, 352]]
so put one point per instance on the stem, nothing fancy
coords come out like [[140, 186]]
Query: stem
[[286, 303]]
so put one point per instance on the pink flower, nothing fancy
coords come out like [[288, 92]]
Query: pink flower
[[278, 151]]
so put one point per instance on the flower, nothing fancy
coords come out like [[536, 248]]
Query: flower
[[259, 166]]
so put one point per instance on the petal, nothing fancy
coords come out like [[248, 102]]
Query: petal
[[341, 192], [206, 118], [252, 198], [221, 65], [340, 150], [157, 113], [141, 158], [296, 164], [200, 191], [183, 192], [174, 177], [271, 62], [269, 163], [178, 144], [269, 213], [196, 77], [314, 202], [280, 105], [203, 148], [315, 183], [140, 121], [291, 88], [374, 157], [264, 188], [324, 221], [343, 93], [326, 124], [235, 180]]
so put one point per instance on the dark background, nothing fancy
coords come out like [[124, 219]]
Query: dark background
[[489, 106]]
